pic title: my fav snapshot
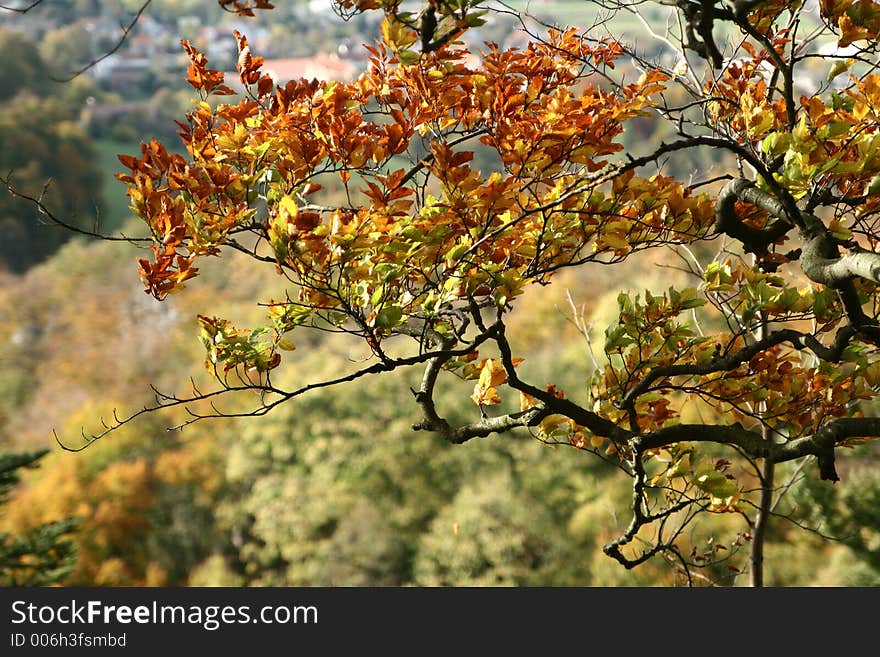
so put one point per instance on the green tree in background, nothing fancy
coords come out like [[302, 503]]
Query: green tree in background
[[41, 555], [849, 514], [45, 153]]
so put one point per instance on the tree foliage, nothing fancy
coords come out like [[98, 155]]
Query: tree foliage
[[44, 553], [365, 200], [44, 154]]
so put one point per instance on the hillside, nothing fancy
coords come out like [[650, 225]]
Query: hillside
[[336, 488]]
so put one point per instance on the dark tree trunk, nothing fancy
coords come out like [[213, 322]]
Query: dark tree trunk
[[759, 528]]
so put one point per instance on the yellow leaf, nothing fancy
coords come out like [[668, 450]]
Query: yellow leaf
[[838, 230], [872, 374], [492, 374], [850, 32], [287, 206], [396, 34], [485, 396], [526, 401], [614, 240]]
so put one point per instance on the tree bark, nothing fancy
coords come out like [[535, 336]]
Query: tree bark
[[759, 527], [765, 502], [832, 271]]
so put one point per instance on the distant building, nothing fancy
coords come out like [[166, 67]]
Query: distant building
[[321, 67], [123, 70]]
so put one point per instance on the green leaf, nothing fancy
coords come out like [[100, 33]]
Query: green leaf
[[775, 143], [475, 19], [258, 333], [389, 317], [715, 483], [377, 296], [413, 234], [456, 252], [408, 57], [692, 303], [616, 338], [839, 102], [838, 67], [387, 271]]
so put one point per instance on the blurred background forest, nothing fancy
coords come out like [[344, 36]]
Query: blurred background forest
[[335, 488]]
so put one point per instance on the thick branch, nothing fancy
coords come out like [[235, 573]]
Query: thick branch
[[754, 240], [21, 10], [751, 442], [554, 405], [823, 442], [486, 426], [425, 394], [489, 425], [835, 271], [726, 434], [480, 429], [820, 258], [732, 361], [822, 263]]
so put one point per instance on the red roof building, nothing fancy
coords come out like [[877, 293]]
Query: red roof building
[[321, 66]]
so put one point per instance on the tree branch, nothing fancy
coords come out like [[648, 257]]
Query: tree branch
[[726, 434], [834, 271], [823, 442], [731, 361], [22, 10], [820, 258], [126, 30], [555, 405], [41, 207], [754, 240], [480, 429]]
